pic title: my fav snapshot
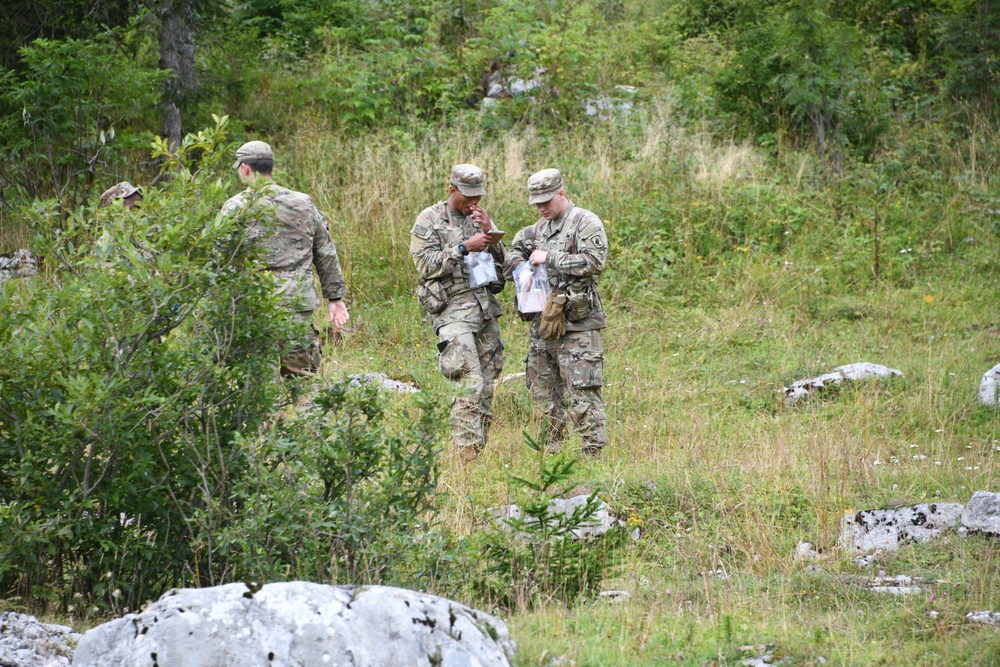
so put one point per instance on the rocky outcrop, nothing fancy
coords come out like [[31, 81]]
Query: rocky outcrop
[[888, 529], [21, 264], [851, 372], [26, 642], [299, 623], [982, 514]]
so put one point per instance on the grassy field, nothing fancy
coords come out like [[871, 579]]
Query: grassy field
[[732, 273], [708, 321]]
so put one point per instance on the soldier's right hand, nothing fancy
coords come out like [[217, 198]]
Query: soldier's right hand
[[478, 242]]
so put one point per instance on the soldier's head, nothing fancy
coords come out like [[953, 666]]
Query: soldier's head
[[254, 159], [128, 193], [465, 188], [547, 192]]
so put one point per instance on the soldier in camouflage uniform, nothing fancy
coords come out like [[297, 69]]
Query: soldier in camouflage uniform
[[571, 243], [128, 193], [470, 351], [295, 237]]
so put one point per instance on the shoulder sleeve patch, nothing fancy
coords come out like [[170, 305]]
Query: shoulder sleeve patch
[[420, 230]]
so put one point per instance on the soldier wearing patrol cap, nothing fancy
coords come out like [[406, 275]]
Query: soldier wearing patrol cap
[[470, 351], [295, 237], [128, 193], [565, 358]]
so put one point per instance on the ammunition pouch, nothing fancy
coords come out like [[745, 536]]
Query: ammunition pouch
[[579, 302], [432, 296]]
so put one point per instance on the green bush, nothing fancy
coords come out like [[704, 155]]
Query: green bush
[[124, 383], [336, 497], [73, 114]]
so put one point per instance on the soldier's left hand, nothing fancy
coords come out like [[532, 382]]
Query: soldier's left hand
[[480, 217], [338, 314], [538, 257]]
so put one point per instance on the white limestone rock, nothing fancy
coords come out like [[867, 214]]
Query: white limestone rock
[[982, 514], [602, 522], [900, 584], [21, 264], [989, 387], [299, 624], [984, 617], [852, 372], [384, 383], [888, 529], [27, 642]]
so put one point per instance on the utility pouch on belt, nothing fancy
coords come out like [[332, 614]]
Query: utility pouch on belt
[[432, 296], [578, 304]]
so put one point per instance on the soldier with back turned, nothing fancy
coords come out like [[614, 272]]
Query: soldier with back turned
[[295, 238]]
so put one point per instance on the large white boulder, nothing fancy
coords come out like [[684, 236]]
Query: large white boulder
[[982, 514], [989, 387], [299, 624], [851, 372], [888, 529]]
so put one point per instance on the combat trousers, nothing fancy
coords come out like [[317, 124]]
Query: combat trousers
[[570, 367], [305, 357], [473, 357]]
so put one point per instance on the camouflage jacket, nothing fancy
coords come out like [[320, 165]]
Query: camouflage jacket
[[295, 237], [434, 243], [578, 251]]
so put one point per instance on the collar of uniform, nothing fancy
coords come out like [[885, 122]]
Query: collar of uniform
[[550, 227], [261, 186], [448, 215]]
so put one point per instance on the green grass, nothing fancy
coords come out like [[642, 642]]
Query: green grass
[[730, 276], [705, 455]]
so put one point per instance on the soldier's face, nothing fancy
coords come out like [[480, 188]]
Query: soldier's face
[[132, 201], [553, 208], [460, 202]]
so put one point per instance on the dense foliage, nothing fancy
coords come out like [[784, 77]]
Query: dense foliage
[[789, 185]]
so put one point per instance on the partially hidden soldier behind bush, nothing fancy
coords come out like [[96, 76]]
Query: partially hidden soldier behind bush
[[470, 351], [128, 193], [565, 357], [295, 237]]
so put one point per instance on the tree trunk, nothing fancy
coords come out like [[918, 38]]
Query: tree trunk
[[176, 56]]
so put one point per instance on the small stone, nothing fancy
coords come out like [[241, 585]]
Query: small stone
[[614, 596]]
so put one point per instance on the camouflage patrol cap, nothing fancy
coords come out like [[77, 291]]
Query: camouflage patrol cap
[[253, 150], [543, 185], [119, 191], [468, 178]]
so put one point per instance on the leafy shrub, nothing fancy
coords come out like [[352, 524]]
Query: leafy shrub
[[124, 381], [335, 497], [72, 113]]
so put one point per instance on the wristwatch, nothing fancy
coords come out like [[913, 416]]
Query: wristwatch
[[462, 249]]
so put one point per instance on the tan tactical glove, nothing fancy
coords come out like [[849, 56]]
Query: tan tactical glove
[[553, 324]]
